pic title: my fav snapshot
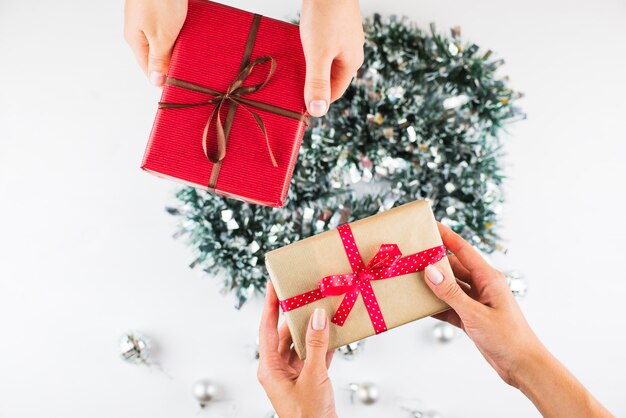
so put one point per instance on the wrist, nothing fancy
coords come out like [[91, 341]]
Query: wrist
[[529, 367], [308, 410], [328, 414], [553, 390]]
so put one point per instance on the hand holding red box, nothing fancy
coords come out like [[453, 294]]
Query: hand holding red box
[[232, 113]]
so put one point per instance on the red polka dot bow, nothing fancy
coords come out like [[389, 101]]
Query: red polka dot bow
[[387, 263]]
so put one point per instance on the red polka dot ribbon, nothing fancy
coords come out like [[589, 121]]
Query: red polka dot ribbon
[[387, 263]]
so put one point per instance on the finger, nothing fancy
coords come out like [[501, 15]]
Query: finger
[[139, 45], [450, 317], [316, 343], [329, 358], [459, 269], [340, 78], [159, 59], [268, 333], [464, 252], [469, 289], [317, 85], [463, 277], [295, 362], [464, 286], [448, 290], [284, 341]]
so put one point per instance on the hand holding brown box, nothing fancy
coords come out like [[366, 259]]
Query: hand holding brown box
[[298, 268]]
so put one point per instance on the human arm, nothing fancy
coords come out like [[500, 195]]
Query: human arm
[[483, 306], [296, 388]]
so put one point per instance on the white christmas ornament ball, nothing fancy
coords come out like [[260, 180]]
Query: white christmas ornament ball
[[368, 393], [444, 332], [204, 391]]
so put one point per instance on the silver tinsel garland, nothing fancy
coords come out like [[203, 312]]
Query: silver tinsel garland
[[421, 120]]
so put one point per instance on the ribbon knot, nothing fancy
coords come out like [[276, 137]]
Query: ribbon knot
[[364, 276], [234, 95], [358, 282]]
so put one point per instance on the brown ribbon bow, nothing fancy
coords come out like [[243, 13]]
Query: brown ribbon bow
[[233, 94]]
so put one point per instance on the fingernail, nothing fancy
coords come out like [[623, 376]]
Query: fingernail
[[318, 107], [318, 322], [157, 78], [433, 274]]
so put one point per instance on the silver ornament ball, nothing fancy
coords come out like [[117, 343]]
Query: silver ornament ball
[[426, 414], [367, 393], [352, 350], [444, 332], [517, 283], [204, 391], [135, 348]]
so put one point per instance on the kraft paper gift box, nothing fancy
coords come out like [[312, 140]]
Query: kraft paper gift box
[[322, 270], [210, 80]]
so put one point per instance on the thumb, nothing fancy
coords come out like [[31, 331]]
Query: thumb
[[317, 87], [448, 290], [158, 61], [316, 342]]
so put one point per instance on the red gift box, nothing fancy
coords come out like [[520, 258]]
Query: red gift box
[[220, 55]]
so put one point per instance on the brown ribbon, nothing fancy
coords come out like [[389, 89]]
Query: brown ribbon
[[233, 95]]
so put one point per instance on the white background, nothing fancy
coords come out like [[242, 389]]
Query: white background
[[86, 250]]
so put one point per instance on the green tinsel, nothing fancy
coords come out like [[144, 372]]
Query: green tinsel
[[420, 121]]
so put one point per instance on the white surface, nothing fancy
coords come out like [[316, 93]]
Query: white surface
[[86, 253]]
